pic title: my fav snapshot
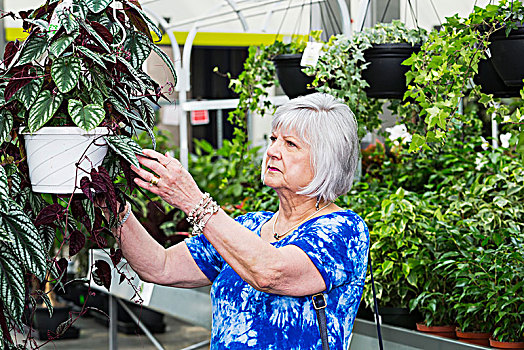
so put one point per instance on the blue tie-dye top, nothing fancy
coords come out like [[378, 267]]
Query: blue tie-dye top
[[245, 318]]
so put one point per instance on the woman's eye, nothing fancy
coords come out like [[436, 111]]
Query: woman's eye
[[291, 144], [272, 138]]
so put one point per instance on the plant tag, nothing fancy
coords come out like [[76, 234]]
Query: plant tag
[[311, 54], [488, 53], [54, 23]]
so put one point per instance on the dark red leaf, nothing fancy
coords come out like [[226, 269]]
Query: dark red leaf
[[49, 214], [102, 31], [17, 81], [77, 240], [102, 274], [111, 199], [129, 174], [24, 14], [137, 20], [98, 240], [61, 266], [97, 224], [98, 183], [78, 212], [11, 49], [3, 324], [85, 185], [116, 256], [63, 327]]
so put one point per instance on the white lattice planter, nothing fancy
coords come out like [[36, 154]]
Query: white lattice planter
[[53, 152]]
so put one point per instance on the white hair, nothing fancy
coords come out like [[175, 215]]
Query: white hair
[[330, 129]]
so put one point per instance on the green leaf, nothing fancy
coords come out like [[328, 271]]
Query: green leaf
[[28, 94], [12, 291], [126, 147], [68, 21], [520, 144], [86, 117], [387, 266], [66, 72], [34, 47], [43, 109], [47, 302], [59, 46], [97, 6], [139, 46], [26, 241], [6, 124], [416, 142], [92, 55], [166, 60]]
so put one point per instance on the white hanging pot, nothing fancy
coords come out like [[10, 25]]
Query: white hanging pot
[[54, 152]]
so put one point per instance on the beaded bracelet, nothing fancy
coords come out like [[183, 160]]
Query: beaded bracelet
[[198, 214], [124, 219]]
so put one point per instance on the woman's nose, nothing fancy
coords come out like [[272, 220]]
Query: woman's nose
[[273, 150]]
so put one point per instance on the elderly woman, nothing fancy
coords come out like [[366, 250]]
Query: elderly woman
[[265, 267]]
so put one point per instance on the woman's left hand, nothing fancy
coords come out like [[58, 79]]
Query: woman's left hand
[[174, 185]]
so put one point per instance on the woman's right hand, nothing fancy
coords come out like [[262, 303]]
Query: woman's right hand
[[175, 185]]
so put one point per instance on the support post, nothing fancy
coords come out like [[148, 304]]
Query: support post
[[113, 323]]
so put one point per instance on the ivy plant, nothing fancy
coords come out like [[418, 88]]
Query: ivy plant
[[339, 69], [81, 65], [442, 72]]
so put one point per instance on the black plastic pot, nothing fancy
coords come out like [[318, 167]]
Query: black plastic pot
[[385, 73], [400, 317], [44, 327], [491, 83], [506, 55], [294, 82]]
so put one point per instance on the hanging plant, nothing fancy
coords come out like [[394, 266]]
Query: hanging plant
[[442, 74], [80, 67], [341, 68]]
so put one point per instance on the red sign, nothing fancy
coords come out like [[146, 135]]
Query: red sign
[[200, 117]]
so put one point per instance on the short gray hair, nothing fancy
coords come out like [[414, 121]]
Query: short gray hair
[[330, 129]]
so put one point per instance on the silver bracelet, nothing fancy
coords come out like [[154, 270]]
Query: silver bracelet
[[124, 219]]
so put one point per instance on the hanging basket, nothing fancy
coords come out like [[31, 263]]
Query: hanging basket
[[491, 83], [54, 152], [294, 82], [506, 55], [385, 73]]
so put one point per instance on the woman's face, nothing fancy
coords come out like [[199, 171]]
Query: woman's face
[[288, 164]]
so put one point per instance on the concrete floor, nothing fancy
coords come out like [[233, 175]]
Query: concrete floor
[[95, 336]]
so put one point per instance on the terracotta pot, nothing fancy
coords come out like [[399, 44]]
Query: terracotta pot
[[441, 331], [473, 337], [506, 345]]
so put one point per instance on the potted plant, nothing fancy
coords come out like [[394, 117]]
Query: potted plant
[[346, 66], [444, 73], [80, 66]]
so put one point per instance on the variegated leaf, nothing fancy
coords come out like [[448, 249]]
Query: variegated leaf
[[80, 9], [68, 21], [97, 6], [39, 23], [66, 72], [125, 147], [59, 46], [34, 47], [28, 94], [95, 35], [96, 97], [12, 290], [27, 243], [48, 236], [6, 124], [150, 23], [139, 46], [98, 81], [43, 109], [91, 55], [166, 60], [86, 81], [86, 117], [133, 73], [4, 191], [148, 114]]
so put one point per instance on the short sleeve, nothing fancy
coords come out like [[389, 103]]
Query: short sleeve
[[205, 256], [338, 246]]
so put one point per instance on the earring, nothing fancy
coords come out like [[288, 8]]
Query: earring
[[317, 205]]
